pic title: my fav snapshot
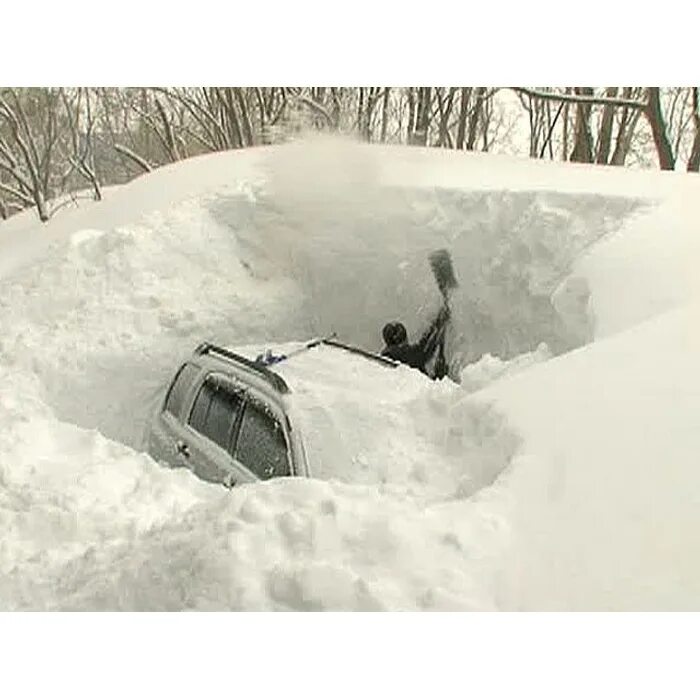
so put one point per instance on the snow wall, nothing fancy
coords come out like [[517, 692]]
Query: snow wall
[[285, 244]]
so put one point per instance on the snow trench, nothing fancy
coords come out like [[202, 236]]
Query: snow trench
[[103, 319], [360, 259]]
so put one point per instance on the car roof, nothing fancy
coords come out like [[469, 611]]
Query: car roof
[[291, 370], [295, 365], [356, 413]]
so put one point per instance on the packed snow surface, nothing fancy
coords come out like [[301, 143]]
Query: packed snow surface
[[559, 473]]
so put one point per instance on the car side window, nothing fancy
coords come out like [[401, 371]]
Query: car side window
[[198, 415], [178, 389], [215, 411], [261, 446]]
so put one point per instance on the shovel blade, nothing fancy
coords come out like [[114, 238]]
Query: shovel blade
[[443, 270]]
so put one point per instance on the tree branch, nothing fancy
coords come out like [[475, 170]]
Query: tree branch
[[16, 193], [581, 99], [312, 104], [141, 162]]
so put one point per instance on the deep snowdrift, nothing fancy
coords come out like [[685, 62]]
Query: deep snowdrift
[[609, 517], [270, 245], [283, 243]]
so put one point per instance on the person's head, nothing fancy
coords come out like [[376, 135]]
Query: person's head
[[394, 333]]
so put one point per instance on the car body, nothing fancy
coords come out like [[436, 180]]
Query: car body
[[232, 419]]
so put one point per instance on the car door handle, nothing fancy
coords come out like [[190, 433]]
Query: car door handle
[[182, 449]]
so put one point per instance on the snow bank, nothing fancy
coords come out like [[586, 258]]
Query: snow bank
[[489, 368], [608, 517], [291, 545], [65, 490], [647, 268]]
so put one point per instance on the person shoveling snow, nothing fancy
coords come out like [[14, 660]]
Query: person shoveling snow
[[419, 355], [428, 354]]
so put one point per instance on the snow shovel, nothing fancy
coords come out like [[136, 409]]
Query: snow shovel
[[443, 271]]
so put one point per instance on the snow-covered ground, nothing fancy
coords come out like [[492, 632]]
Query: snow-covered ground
[[562, 472]]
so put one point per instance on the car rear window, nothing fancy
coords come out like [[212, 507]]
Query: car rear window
[[215, 411], [261, 446], [178, 390]]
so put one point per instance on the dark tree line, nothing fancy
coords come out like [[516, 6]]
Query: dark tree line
[[57, 144]]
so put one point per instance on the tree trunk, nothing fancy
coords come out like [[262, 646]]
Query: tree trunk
[[372, 98], [169, 137], [426, 94], [419, 135], [463, 111], [606, 126], [552, 123], [411, 114], [143, 129], [245, 117], [385, 113], [445, 103], [231, 117], [655, 117], [625, 131], [531, 106], [565, 134], [694, 159], [474, 119], [583, 146], [360, 111], [41, 206]]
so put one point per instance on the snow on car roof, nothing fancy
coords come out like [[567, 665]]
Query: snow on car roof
[[366, 422]]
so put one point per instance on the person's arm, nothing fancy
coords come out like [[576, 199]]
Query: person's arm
[[430, 339]]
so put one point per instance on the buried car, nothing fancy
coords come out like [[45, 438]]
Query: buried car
[[325, 410], [228, 417]]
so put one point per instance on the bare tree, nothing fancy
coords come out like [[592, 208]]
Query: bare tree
[[584, 99], [464, 95], [54, 140], [26, 156], [583, 141], [655, 117], [677, 104], [419, 115], [445, 102], [627, 119], [80, 155], [535, 108], [475, 116], [606, 128], [385, 113], [694, 159]]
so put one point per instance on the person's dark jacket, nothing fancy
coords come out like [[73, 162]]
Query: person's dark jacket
[[418, 354]]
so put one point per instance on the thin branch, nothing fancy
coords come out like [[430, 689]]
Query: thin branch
[[548, 140], [581, 99], [315, 106], [141, 162], [16, 193]]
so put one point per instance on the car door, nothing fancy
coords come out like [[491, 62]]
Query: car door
[[211, 428], [167, 432], [262, 444]]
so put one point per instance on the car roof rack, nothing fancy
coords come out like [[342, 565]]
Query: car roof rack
[[268, 375], [359, 351]]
